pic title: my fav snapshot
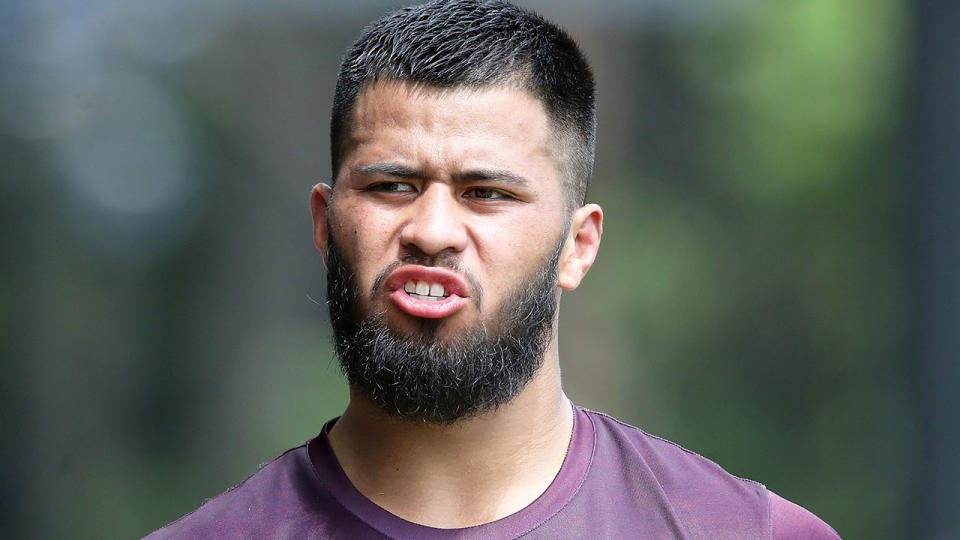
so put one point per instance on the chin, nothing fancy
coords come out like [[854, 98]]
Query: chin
[[445, 330]]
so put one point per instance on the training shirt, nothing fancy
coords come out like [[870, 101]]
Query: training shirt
[[615, 482]]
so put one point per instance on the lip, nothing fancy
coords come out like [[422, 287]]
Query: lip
[[454, 285]]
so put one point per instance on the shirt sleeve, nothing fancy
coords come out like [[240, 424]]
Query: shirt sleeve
[[793, 522]]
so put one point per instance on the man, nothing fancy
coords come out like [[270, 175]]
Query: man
[[462, 144]]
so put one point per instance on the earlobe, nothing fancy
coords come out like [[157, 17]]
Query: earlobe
[[319, 202], [582, 244]]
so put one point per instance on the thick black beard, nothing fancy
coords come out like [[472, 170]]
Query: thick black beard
[[416, 376]]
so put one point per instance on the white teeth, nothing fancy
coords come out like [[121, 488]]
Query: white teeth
[[425, 291], [427, 298]]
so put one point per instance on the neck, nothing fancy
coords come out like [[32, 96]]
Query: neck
[[473, 471]]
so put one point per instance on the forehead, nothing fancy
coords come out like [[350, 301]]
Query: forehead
[[451, 127]]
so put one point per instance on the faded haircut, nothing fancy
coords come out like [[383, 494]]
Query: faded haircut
[[449, 44]]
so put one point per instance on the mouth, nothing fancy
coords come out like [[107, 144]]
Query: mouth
[[427, 292]]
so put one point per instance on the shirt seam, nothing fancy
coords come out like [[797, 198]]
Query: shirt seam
[[316, 474], [583, 479], [679, 447]]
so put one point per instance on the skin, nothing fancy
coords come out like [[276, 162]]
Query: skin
[[469, 175]]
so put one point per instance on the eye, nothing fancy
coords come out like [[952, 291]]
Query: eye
[[487, 194], [392, 187]]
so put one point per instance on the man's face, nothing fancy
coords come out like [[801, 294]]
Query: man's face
[[460, 178], [443, 240]]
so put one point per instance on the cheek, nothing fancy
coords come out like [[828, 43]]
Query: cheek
[[510, 257], [353, 225], [365, 238], [373, 236]]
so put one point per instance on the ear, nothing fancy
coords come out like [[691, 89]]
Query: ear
[[319, 201], [580, 248]]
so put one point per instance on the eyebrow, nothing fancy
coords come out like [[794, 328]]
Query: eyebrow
[[487, 175], [390, 169], [475, 175]]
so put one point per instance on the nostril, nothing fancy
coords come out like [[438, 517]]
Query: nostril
[[430, 232]]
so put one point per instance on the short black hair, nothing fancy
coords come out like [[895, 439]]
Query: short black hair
[[476, 44]]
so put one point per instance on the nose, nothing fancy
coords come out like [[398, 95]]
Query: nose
[[435, 223]]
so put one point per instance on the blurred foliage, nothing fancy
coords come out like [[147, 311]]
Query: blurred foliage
[[754, 274], [162, 333]]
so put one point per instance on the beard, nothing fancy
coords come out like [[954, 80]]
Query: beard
[[415, 374]]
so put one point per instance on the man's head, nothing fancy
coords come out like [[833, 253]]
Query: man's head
[[477, 44], [451, 227]]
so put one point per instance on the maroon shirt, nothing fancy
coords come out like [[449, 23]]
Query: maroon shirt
[[616, 482]]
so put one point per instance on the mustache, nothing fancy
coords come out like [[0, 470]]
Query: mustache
[[443, 260]]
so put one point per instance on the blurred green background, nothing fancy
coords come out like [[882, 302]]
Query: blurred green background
[[757, 297]]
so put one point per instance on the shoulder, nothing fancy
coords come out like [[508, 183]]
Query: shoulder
[[238, 510], [695, 490], [790, 521], [676, 468]]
